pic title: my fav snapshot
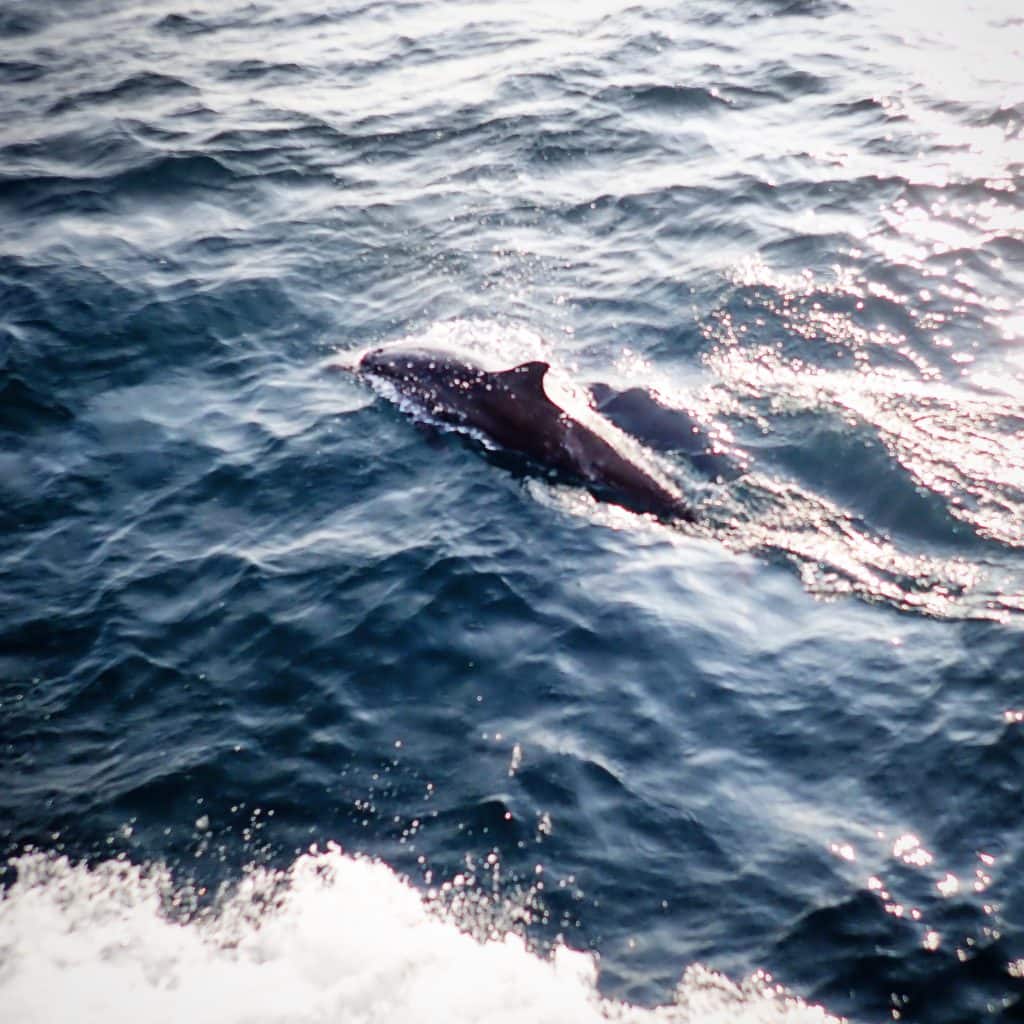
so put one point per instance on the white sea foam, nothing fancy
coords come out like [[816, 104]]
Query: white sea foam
[[335, 938]]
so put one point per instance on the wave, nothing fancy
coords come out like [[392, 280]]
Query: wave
[[136, 88], [332, 938]]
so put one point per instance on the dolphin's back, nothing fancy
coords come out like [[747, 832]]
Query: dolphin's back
[[513, 409]]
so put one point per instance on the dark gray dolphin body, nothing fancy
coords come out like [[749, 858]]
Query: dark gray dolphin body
[[665, 429], [512, 409]]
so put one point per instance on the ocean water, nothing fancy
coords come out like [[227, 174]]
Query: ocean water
[[312, 711]]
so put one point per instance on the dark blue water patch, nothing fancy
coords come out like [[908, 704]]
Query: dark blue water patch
[[850, 194], [610, 213], [553, 148], [162, 178], [975, 111], [183, 25], [743, 95], [691, 216], [860, 949], [304, 153], [175, 174], [17, 71], [789, 82], [135, 90], [632, 50], [906, 146], [402, 51], [23, 409], [263, 71], [44, 481], [8, 335], [836, 328], [251, 639], [806, 8], [269, 17], [194, 760], [1005, 116], [18, 21], [462, 137], [668, 329], [22, 298], [574, 87], [857, 469], [48, 196], [84, 155], [194, 23], [740, 15], [58, 304], [970, 743], [595, 140], [1010, 248], [681, 99], [869, 110]]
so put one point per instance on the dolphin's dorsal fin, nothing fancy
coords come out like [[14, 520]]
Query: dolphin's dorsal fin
[[526, 379]]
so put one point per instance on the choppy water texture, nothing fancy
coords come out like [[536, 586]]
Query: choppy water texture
[[768, 768]]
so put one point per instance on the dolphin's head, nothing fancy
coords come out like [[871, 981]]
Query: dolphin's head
[[382, 362], [445, 384], [421, 369], [402, 364]]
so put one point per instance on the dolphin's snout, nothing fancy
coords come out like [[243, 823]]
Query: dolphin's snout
[[393, 363], [376, 359]]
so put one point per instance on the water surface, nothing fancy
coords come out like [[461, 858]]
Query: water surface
[[250, 606]]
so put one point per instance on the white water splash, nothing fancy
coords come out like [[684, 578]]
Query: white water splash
[[335, 938]]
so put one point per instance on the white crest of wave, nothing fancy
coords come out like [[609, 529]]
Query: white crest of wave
[[335, 938]]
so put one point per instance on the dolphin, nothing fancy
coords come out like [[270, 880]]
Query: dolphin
[[666, 428], [511, 409]]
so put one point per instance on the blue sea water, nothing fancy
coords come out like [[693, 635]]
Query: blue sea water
[[310, 712]]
